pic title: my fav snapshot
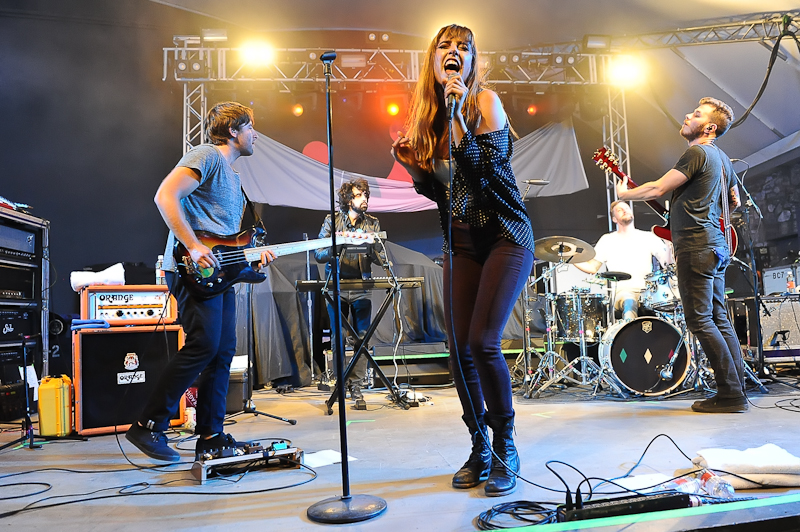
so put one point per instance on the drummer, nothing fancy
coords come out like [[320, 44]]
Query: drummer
[[628, 250]]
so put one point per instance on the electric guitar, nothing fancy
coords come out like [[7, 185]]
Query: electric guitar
[[238, 253], [609, 162]]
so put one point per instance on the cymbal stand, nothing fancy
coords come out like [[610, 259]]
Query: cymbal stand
[[549, 360]]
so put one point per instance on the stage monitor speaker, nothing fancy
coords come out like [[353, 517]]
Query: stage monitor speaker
[[114, 372]]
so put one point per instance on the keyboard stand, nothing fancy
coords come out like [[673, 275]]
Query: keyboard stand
[[361, 349]]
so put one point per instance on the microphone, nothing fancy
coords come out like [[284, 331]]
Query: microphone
[[327, 57], [451, 99]]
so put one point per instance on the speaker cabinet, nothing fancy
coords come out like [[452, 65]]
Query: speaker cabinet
[[780, 326], [114, 372]]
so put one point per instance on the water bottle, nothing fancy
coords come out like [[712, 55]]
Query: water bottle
[[715, 485], [683, 484], [191, 418], [790, 286], [161, 278]]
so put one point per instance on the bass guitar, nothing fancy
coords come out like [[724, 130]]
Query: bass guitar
[[238, 253], [609, 162]]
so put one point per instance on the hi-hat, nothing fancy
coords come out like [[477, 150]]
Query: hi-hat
[[614, 276], [563, 248]]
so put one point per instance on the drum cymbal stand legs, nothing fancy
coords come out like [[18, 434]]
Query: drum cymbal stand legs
[[549, 360]]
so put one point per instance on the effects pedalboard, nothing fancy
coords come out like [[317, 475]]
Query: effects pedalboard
[[249, 457]]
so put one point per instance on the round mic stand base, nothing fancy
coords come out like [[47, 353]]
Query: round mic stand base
[[351, 509]]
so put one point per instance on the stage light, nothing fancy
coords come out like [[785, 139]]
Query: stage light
[[297, 109], [502, 58], [597, 42], [384, 37], [532, 110], [214, 35], [626, 71], [257, 54], [372, 36], [515, 58], [393, 109], [353, 61]]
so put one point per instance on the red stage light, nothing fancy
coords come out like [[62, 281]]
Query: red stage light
[[532, 109]]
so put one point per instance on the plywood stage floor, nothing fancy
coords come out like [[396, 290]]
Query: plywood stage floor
[[406, 457]]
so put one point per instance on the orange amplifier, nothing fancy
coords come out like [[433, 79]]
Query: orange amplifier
[[129, 304], [115, 370]]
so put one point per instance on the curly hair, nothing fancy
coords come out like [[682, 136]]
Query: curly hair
[[722, 115], [427, 123], [226, 116], [346, 192]]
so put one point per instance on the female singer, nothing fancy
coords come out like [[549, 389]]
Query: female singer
[[489, 235]]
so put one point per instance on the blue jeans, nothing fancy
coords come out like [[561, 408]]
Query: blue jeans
[[210, 328], [701, 282], [361, 310]]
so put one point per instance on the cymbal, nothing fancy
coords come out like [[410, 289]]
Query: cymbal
[[563, 248], [615, 276]]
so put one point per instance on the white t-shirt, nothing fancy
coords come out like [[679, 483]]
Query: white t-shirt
[[632, 253]]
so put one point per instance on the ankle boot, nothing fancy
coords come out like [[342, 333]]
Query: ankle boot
[[476, 469], [502, 481]]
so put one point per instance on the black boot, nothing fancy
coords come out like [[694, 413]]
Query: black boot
[[501, 480], [476, 469]]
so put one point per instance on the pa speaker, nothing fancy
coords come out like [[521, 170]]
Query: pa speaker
[[115, 370]]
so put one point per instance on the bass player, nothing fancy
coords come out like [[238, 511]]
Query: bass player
[[202, 193]]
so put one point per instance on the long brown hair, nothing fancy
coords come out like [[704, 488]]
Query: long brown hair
[[426, 125]]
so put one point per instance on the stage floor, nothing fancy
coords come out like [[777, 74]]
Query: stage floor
[[406, 457]]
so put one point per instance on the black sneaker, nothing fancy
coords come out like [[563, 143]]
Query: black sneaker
[[721, 405], [152, 443], [355, 392], [219, 446]]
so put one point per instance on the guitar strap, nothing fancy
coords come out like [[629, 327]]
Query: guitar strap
[[257, 221], [726, 215]]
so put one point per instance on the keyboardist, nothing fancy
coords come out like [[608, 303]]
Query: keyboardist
[[356, 304]]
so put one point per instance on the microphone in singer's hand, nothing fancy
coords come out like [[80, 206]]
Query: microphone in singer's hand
[[452, 72]]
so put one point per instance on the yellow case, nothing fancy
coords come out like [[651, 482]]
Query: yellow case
[[55, 406]]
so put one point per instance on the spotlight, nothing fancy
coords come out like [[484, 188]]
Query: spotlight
[[393, 109], [182, 66], [558, 60], [532, 110], [385, 37], [297, 109], [257, 54], [626, 71], [312, 56], [502, 58], [372, 36], [515, 58]]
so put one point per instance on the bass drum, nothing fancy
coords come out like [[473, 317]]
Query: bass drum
[[634, 354]]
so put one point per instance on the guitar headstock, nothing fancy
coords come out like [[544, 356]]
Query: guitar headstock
[[607, 161]]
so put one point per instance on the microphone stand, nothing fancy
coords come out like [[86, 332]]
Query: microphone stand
[[348, 508], [763, 372], [27, 433]]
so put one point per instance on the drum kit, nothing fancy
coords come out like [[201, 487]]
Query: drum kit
[[651, 355]]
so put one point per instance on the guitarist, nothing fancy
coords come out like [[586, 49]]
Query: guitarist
[[703, 186], [202, 192], [352, 218]]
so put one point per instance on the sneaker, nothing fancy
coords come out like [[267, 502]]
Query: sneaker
[[721, 405], [355, 392], [152, 443], [219, 446]]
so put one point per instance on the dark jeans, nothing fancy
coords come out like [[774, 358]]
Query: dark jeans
[[701, 282], [361, 311], [210, 328], [488, 274]]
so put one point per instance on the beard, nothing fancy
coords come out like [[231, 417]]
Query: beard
[[359, 208], [692, 134]]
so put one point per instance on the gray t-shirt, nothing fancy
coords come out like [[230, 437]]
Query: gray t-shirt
[[217, 204]]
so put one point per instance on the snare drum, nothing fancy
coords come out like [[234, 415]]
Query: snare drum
[[635, 353], [593, 309], [661, 290]]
